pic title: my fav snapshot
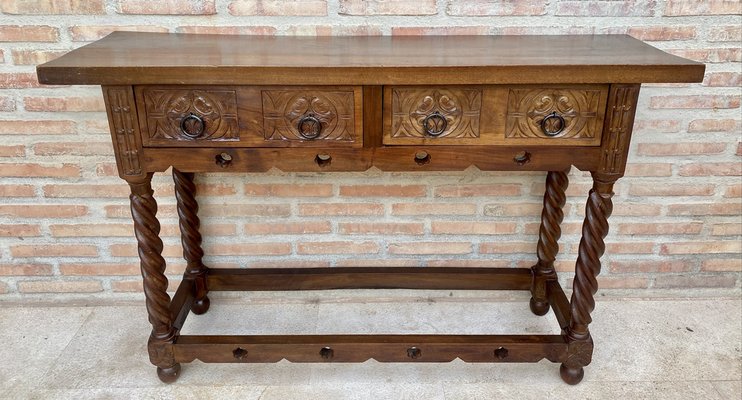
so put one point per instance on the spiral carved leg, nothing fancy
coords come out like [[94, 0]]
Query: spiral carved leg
[[549, 233], [147, 230], [185, 194], [594, 230]]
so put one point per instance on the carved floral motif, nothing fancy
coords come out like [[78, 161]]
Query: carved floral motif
[[460, 107], [527, 108], [166, 109], [284, 109]]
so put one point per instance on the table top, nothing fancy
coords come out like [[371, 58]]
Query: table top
[[168, 58]]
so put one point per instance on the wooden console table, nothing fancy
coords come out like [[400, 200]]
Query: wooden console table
[[201, 103]]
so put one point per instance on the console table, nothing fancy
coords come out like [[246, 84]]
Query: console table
[[204, 103]]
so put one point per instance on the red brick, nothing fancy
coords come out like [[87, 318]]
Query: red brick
[[74, 103], [7, 103], [722, 265], [507, 247], [13, 151], [278, 7], [54, 7], [603, 8], [19, 230], [209, 229], [469, 263], [42, 210], [388, 7], [91, 230], [383, 190], [694, 281], [478, 190], [715, 247], [514, 210], [568, 228], [25, 269], [627, 248], [37, 127], [292, 228], [28, 33], [339, 247], [59, 287], [39, 170], [725, 33], [88, 33], [228, 30], [381, 228], [4, 288], [723, 79], [705, 209], [54, 250], [288, 264], [660, 228], [706, 7], [86, 191], [660, 33], [726, 229], [619, 282], [440, 30], [430, 248], [694, 101], [635, 266], [434, 209], [87, 148], [719, 55], [657, 125], [639, 169], [654, 189], [680, 149], [539, 30], [18, 80], [245, 210], [496, 7], [106, 169], [288, 190], [129, 286], [99, 269], [330, 30], [472, 228], [623, 208], [714, 125], [34, 57], [711, 169], [170, 7], [376, 262], [733, 191], [17, 191], [341, 209], [130, 250], [244, 249]]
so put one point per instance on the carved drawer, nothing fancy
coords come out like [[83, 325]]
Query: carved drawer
[[250, 116], [494, 115]]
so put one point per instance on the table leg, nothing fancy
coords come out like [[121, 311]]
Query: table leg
[[185, 194], [549, 233], [147, 230], [585, 285]]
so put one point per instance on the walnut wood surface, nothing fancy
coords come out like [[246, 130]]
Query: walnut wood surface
[[124, 58]]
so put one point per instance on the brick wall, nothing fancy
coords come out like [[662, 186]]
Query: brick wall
[[64, 219]]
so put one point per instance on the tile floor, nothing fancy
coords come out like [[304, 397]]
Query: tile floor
[[646, 347]]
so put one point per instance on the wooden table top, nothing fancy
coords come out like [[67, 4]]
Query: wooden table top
[[168, 58]]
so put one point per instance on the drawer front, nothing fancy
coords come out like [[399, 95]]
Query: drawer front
[[494, 115], [250, 116]]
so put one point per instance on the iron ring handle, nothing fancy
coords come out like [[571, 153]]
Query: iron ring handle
[[192, 126], [545, 124], [309, 127], [435, 124]]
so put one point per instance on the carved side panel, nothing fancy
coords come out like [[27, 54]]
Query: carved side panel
[[283, 109], [166, 108], [618, 126], [461, 108], [527, 108], [124, 133]]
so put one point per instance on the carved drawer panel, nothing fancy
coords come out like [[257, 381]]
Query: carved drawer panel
[[548, 115]]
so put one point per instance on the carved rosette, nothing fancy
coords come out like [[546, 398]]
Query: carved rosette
[[619, 123], [527, 108], [460, 107], [284, 109], [123, 131], [166, 109]]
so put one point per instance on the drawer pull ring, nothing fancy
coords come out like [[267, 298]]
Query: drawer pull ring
[[192, 126], [522, 158], [309, 127], [553, 124], [435, 124]]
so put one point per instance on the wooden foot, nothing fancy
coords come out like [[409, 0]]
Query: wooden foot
[[169, 375], [572, 376], [539, 307], [200, 306]]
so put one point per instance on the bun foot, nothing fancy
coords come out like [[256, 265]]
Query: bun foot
[[201, 306], [538, 307], [169, 375], [572, 376]]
